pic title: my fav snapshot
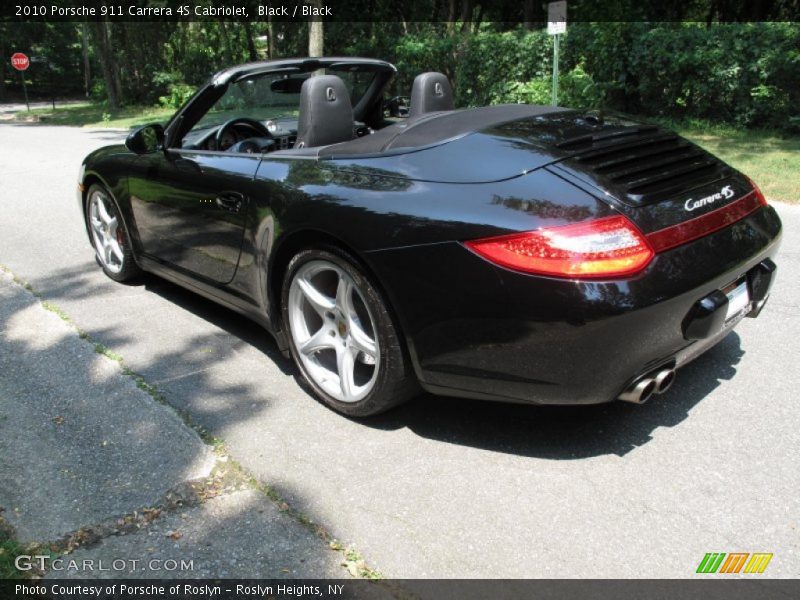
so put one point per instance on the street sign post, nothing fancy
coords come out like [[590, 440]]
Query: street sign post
[[21, 62], [556, 25]]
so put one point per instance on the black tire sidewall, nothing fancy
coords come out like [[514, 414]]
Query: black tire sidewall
[[393, 381]]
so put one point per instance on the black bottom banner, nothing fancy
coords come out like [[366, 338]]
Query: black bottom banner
[[404, 589]]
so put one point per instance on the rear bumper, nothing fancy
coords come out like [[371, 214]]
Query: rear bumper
[[480, 331]]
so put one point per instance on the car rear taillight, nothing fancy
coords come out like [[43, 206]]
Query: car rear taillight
[[603, 248], [757, 191], [693, 229]]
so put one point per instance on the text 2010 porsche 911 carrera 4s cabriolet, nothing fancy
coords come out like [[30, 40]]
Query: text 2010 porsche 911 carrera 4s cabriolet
[[518, 253]]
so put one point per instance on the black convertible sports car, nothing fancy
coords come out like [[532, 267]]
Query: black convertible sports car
[[519, 253]]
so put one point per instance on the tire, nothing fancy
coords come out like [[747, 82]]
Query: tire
[[337, 321], [109, 235]]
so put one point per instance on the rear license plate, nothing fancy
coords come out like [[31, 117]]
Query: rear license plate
[[738, 299]]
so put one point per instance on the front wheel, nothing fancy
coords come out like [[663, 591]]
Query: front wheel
[[109, 236], [341, 335]]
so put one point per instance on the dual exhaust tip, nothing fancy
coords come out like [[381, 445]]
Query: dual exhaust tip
[[641, 390]]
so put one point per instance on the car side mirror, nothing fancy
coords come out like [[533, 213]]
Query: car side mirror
[[145, 139]]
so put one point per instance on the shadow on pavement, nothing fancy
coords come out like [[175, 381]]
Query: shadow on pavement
[[184, 373], [227, 320], [566, 432], [85, 446], [76, 283], [80, 442], [553, 432]]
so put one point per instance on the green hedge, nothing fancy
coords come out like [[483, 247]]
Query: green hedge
[[747, 74]]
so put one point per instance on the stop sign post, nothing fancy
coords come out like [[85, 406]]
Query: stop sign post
[[21, 62]]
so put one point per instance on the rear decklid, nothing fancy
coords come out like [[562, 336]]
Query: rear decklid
[[643, 164], [650, 174], [654, 176], [460, 146]]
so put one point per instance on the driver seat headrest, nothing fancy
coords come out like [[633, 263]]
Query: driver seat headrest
[[431, 92], [326, 115]]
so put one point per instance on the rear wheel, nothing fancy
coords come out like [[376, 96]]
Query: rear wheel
[[109, 236], [341, 335]]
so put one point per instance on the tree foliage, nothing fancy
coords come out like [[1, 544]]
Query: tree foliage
[[743, 73]]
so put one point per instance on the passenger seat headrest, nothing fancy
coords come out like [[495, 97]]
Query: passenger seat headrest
[[326, 115], [431, 92]]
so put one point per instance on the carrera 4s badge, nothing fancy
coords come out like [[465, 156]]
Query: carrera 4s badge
[[726, 193]]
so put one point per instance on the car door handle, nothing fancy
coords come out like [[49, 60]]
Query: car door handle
[[230, 201]]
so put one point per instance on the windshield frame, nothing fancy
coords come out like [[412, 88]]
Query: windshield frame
[[216, 115], [368, 105]]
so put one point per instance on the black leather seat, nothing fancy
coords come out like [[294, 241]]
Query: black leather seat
[[431, 92], [326, 115]]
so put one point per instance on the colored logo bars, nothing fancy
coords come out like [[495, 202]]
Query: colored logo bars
[[716, 562]]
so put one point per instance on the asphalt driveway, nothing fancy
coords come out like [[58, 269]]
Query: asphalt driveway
[[450, 487]]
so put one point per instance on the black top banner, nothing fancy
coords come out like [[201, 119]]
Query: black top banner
[[394, 10]]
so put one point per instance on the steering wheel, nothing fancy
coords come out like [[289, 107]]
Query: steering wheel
[[223, 129], [398, 106]]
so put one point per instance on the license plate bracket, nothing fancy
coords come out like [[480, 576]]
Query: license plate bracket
[[738, 299]]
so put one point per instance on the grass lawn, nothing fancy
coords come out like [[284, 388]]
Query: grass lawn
[[771, 159], [9, 550], [87, 114]]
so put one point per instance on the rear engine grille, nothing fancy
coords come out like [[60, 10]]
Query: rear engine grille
[[646, 164]]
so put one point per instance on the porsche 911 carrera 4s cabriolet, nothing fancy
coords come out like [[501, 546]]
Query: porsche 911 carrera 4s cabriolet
[[518, 253]]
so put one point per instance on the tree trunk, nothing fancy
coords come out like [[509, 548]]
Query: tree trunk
[[476, 23], [270, 38], [227, 38], [451, 16], [87, 73], [251, 45], [316, 36], [116, 72], [527, 14], [107, 63], [755, 10], [466, 15]]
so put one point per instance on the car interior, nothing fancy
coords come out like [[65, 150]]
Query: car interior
[[325, 116]]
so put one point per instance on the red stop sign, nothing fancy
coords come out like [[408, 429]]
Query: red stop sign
[[20, 61]]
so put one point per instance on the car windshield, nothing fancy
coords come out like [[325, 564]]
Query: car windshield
[[274, 95]]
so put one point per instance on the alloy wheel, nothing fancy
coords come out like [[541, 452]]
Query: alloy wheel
[[333, 331], [107, 234]]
